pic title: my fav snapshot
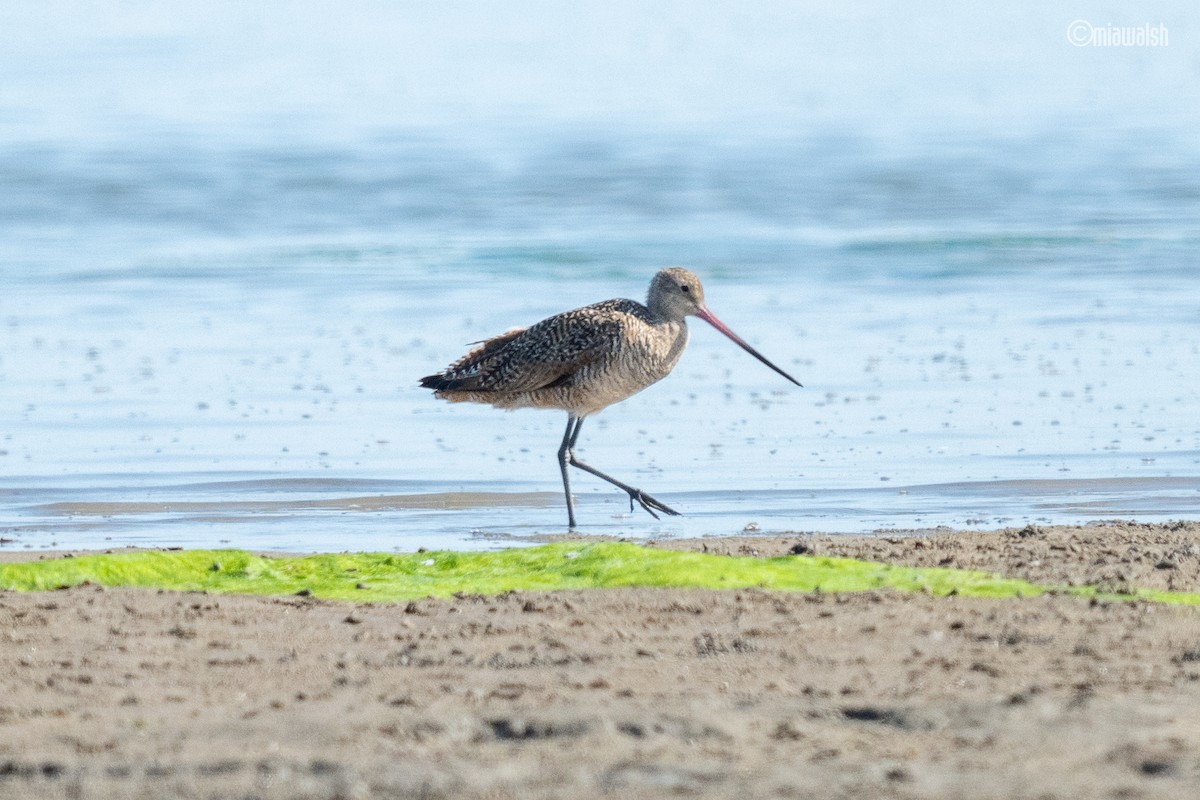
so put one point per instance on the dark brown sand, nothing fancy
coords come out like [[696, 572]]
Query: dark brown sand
[[1117, 556], [625, 693]]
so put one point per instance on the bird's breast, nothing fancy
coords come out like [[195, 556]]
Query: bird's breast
[[646, 355]]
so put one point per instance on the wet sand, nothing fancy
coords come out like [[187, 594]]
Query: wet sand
[[112, 693]]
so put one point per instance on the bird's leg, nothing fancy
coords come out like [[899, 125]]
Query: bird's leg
[[568, 451], [564, 454]]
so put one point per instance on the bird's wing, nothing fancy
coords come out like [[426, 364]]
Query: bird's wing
[[542, 355]]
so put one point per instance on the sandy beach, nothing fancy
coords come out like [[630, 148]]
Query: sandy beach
[[108, 693]]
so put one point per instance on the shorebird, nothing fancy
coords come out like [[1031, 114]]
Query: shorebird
[[585, 360]]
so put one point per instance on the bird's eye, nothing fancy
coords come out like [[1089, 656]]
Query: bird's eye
[[686, 289]]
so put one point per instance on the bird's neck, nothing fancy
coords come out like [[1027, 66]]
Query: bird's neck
[[660, 314]]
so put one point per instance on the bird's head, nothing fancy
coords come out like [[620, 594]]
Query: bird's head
[[675, 293]]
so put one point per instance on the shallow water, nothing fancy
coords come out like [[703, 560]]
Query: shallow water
[[269, 377], [305, 513], [214, 337]]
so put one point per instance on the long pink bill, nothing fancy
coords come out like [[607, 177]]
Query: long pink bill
[[711, 318]]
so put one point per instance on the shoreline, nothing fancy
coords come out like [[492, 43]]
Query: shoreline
[[1116, 556]]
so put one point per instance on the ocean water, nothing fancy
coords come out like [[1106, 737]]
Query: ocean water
[[213, 316]]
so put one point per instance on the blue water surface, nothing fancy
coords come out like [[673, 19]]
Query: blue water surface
[[226, 260]]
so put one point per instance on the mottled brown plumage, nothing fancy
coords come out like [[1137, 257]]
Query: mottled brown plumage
[[579, 361], [584, 360]]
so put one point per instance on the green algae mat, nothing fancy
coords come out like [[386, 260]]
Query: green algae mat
[[379, 577]]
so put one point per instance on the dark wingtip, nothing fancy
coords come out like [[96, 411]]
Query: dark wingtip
[[435, 382]]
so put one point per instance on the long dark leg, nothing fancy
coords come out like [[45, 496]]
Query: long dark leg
[[566, 455]]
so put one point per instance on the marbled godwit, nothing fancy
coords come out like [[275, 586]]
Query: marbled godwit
[[585, 360]]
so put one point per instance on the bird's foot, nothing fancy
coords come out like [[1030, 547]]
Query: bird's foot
[[650, 504]]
